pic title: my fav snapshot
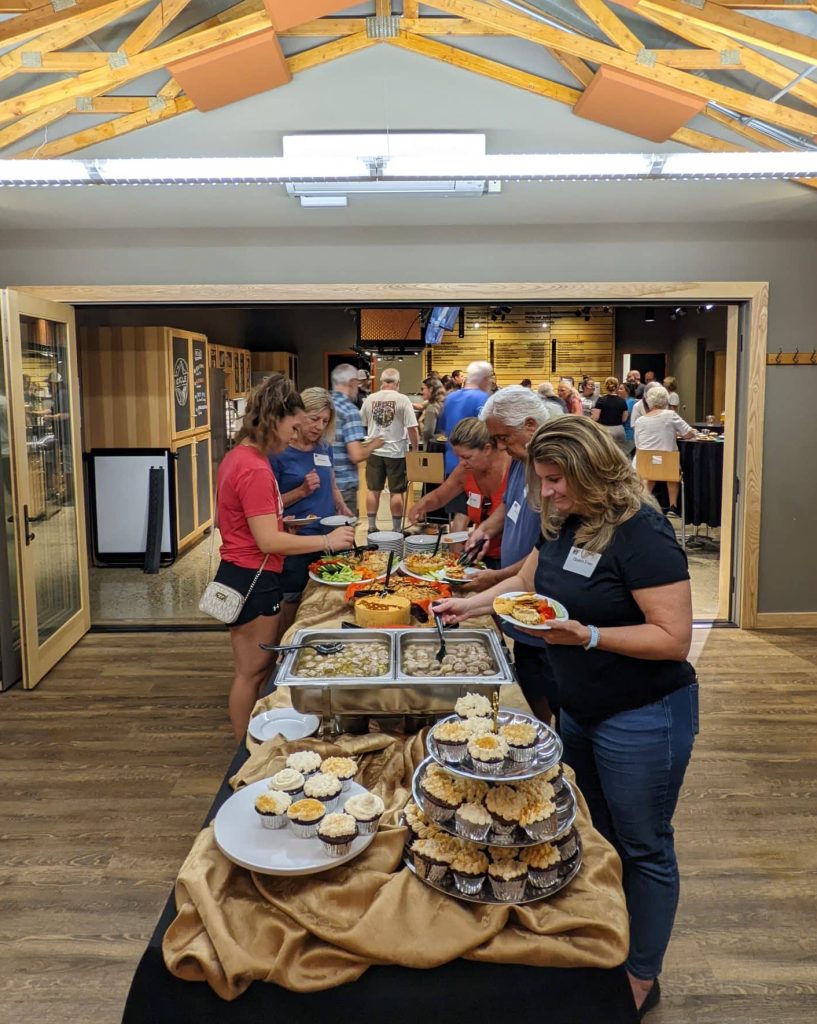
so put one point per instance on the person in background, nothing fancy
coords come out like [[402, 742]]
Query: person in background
[[649, 378], [482, 475], [567, 392], [641, 406], [634, 376], [306, 479], [547, 393], [626, 390], [458, 405], [658, 430], [448, 384], [433, 394], [363, 387], [253, 539], [611, 411], [457, 379], [671, 384], [629, 696], [388, 414], [349, 449], [526, 382], [512, 416], [587, 396]]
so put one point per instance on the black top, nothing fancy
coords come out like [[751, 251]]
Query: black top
[[593, 685], [611, 409]]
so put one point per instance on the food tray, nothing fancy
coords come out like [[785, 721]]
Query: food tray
[[565, 812], [487, 637], [548, 753], [532, 893]]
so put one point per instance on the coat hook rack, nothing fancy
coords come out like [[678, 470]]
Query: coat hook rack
[[796, 358]]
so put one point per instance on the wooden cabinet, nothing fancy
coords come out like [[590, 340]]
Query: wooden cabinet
[[194, 489], [236, 365], [276, 362], [142, 387]]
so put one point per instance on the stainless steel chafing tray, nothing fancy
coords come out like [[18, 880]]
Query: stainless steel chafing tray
[[395, 693]]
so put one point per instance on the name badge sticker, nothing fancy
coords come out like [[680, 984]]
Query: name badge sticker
[[322, 460], [581, 562], [513, 511], [474, 500]]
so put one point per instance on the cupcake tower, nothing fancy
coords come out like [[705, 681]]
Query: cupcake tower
[[498, 840], [304, 796]]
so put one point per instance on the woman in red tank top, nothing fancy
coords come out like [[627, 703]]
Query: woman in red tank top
[[482, 474], [254, 542]]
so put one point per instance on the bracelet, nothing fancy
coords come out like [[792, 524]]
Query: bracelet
[[595, 636]]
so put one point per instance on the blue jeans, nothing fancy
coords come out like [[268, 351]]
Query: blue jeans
[[630, 769]]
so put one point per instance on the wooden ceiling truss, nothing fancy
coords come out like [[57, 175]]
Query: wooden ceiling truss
[[707, 36]]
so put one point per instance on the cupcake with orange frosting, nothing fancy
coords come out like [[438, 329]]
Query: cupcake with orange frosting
[[469, 869], [543, 864], [488, 753]]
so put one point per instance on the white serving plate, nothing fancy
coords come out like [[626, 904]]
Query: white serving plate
[[333, 522], [561, 612], [286, 722], [300, 520], [242, 838]]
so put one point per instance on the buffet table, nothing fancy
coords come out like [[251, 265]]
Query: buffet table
[[368, 934]]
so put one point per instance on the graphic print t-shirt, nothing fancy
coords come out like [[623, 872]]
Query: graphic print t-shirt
[[388, 414]]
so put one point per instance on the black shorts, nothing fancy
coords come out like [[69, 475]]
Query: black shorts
[[295, 576], [379, 468], [265, 598]]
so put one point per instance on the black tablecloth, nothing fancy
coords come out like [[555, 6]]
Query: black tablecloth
[[702, 466], [461, 992]]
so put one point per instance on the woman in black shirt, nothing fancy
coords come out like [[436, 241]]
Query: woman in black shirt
[[611, 411], [628, 695]]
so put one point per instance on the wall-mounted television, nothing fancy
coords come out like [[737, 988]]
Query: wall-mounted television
[[445, 317], [434, 334]]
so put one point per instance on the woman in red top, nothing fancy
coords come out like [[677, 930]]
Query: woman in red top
[[250, 519], [482, 474]]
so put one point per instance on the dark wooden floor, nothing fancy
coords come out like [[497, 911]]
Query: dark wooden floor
[[107, 769]]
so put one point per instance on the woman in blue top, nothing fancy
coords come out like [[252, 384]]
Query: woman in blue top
[[306, 478], [629, 697]]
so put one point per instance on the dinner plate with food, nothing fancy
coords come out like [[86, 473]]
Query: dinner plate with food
[[442, 567], [341, 570], [532, 611], [296, 522]]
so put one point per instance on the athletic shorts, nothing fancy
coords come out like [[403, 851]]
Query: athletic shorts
[[379, 469], [265, 598]]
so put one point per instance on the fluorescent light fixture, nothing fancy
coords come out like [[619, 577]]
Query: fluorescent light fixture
[[392, 186], [740, 165], [324, 201], [44, 172], [385, 145]]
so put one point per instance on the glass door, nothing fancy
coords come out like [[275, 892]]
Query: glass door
[[46, 468]]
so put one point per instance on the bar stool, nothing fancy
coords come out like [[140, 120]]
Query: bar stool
[[663, 466]]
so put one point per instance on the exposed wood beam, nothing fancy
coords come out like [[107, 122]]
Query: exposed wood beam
[[382, 8], [44, 18], [488, 68], [600, 53], [739, 26], [755, 63], [108, 130], [735, 125], [66, 62], [410, 8], [575, 65], [709, 143], [610, 24], [170, 91], [20, 6], [320, 55], [25, 126], [698, 60], [152, 25], [428, 26], [769, 5]]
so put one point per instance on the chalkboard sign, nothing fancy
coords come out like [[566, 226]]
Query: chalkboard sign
[[181, 385], [201, 412]]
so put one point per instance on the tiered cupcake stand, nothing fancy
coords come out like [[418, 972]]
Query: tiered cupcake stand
[[547, 755]]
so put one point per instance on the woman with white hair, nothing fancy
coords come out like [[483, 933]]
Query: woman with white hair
[[658, 430]]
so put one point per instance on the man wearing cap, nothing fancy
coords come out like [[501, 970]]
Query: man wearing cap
[[363, 390], [349, 449]]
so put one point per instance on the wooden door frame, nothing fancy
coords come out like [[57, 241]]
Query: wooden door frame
[[754, 295]]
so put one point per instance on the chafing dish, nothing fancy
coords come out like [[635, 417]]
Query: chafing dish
[[395, 693]]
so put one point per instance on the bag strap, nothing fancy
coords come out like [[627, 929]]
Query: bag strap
[[256, 577]]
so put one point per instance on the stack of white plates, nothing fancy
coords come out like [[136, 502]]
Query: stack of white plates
[[387, 540], [420, 544]]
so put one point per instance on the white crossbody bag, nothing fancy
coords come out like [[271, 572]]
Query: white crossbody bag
[[218, 600]]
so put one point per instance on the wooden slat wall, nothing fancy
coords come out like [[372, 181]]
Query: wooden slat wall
[[520, 346]]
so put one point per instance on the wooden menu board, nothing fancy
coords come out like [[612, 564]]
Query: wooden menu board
[[201, 415]]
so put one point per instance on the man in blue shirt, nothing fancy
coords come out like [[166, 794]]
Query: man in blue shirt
[[459, 405], [513, 415], [349, 449]]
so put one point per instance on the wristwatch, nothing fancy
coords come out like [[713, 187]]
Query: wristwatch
[[595, 635]]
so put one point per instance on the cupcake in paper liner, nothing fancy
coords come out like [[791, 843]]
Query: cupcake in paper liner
[[478, 726], [468, 869], [508, 878], [272, 808], [337, 832], [472, 821], [419, 824], [568, 844], [343, 768], [543, 864], [521, 738], [488, 753], [440, 797], [288, 781], [539, 819], [326, 788], [305, 816], [307, 762], [367, 810], [556, 777], [452, 741], [473, 705], [506, 806], [431, 860]]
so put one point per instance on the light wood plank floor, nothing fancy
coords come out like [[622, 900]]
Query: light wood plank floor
[[108, 768]]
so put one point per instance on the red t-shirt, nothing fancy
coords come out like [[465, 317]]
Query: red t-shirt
[[475, 499], [246, 487]]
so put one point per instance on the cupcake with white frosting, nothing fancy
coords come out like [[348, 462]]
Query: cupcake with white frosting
[[521, 738], [543, 864], [343, 768], [452, 740], [337, 832], [488, 753], [366, 809], [473, 821], [288, 781], [540, 820], [307, 762], [272, 808], [477, 726], [305, 816], [431, 859], [508, 878], [506, 806], [473, 705], [469, 868], [326, 788]]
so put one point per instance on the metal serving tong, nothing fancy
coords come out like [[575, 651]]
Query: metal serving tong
[[331, 647], [384, 591], [438, 622]]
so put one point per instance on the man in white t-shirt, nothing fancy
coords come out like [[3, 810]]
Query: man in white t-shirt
[[388, 414]]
